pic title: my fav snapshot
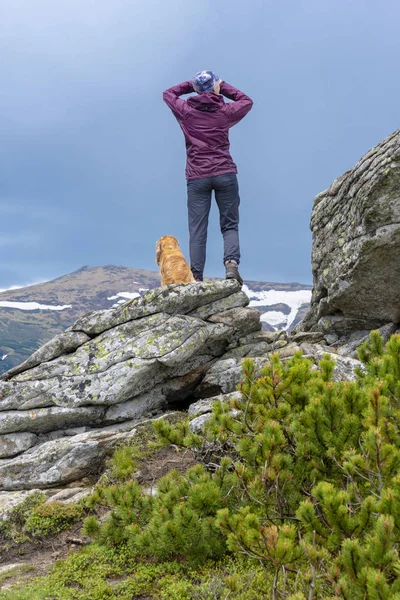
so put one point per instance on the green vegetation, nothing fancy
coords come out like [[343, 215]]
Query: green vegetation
[[296, 496], [12, 529], [51, 518], [98, 572], [34, 518]]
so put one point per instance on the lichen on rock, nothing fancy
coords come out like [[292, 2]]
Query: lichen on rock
[[110, 370], [356, 246]]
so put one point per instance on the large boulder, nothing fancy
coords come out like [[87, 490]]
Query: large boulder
[[58, 462], [132, 348], [66, 407], [356, 247]]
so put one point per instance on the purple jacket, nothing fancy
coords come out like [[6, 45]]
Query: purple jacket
[[205, 120]]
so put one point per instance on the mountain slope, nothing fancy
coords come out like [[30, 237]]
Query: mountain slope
[[32, 315]]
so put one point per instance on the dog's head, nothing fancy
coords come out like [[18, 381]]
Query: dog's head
[[166, 242]]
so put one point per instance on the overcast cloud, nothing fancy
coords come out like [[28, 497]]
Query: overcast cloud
[[92, 161]]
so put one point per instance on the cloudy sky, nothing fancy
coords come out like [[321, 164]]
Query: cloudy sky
[[92, 161]]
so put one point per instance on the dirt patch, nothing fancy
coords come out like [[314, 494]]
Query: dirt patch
[[157, 465], [41, 553]]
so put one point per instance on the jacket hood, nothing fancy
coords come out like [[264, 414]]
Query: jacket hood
[[207, 102]]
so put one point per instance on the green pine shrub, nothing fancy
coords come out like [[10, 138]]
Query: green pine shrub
[[301, 475], [297, 490], [12, 528], [36, 518], [52, 517]]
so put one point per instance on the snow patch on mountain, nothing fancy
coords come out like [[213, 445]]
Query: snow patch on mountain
[[123, 297], [266, 298], [275, 318], [31, 305]]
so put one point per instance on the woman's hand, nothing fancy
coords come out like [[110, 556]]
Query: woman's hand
[[217, 87]]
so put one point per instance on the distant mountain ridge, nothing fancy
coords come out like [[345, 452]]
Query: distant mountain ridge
[[30, 316]]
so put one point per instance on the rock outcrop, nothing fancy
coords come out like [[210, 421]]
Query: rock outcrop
[[81, 393], [92, 387], [64, 409], [356, 249]]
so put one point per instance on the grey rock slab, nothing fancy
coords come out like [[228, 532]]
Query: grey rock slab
[[288, 351], [270, 337], [348, 346], [59, 462], [356, 246], [59, 433], [331, 338], [276, 346], [69, 495], [242, 320], [45, 419], [249, 350], [200, 360], [177, 353], [220, 336], [224, 376], [205, 406], [64, 343], [137, 407], [174, 390], [78, 496], [135, 424], [172, 299], [197, 424], [308, 336], [93, 376], [76, 430], [339, 324], [238, 299], [123, 426], [145, 338], [12, 444], [14, 395], [118, 384], [345, 367], [133, 357]]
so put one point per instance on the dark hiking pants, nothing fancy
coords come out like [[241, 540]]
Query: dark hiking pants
[[226, 190]]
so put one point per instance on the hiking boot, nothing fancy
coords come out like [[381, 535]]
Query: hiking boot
[[232, 271], [198, 280]]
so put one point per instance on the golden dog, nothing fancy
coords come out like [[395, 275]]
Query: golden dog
[[172, 263]]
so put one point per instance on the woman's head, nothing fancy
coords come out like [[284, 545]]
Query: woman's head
[[206, 81]]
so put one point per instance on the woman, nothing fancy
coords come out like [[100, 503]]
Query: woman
[[205, 120]]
